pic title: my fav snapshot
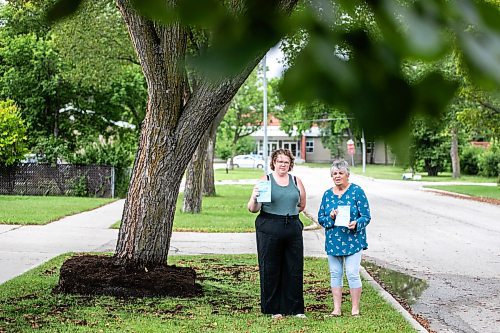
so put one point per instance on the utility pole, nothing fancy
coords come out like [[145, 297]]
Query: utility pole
[[264, 79], [363, 145]]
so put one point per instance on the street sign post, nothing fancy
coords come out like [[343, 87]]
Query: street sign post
[[351, 150]]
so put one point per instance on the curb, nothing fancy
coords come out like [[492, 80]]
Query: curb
[[392, 301], [486, 200], [315, 225], [451, 194]]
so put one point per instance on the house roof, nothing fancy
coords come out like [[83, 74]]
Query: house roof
[[275, 131]]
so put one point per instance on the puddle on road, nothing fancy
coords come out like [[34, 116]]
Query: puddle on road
[[404, 286]]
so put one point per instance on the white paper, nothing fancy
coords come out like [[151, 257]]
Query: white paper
[[343, 216], [264, 187]]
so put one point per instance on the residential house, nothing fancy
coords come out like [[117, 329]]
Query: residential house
[[307, 147]]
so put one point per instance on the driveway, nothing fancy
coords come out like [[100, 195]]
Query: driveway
[[452, 243]]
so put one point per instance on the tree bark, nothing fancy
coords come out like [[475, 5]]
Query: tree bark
[[196, 170], [386, 159], [170, 134], [455, 159], [193, 189], [372, 152], [209, 178]]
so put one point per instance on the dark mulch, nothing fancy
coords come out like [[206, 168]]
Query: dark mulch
[[101, 275]]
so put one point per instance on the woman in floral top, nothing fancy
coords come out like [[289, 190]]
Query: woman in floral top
[[343, 244]]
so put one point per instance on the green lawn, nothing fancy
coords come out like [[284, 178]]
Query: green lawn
[[472, 190], [372, 170], [315, 165], [238, 173], [227, 212], [230, 303], [395, 172], [42, 210], [378, 171]]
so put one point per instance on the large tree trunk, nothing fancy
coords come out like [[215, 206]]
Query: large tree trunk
[[455, 159], [195, 172], [170, 133], [432, 170], [209, 177], [386, 159], [372, 154], [193, 189]]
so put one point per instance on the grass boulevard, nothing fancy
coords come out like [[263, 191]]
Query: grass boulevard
[[230, 285], [229, 304]]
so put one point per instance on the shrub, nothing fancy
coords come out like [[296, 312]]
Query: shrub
[[116, 152], [80, 187], [50, 150], [12, 134], [469, 160], [489, 162], [429, 147]]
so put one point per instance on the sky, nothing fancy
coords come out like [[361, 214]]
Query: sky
[[274, 56]]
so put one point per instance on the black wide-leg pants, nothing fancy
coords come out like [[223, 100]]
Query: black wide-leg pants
[[280, 250]]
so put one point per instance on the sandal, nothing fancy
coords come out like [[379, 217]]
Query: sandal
[[333, 314]]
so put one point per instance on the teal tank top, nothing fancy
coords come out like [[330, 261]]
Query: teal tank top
[[284, 199]]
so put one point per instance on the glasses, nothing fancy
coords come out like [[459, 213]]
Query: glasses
[[283, 162]]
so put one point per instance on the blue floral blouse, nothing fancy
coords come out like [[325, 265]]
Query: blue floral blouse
[[340, 241]]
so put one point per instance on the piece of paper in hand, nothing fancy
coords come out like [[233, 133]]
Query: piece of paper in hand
[[264, 191], [343, 216]]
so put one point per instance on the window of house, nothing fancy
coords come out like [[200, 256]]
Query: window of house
[[309, 146]]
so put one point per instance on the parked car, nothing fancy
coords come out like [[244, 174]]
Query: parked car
[[247, 161]]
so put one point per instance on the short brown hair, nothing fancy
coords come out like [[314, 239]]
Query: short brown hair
[[281, 151]]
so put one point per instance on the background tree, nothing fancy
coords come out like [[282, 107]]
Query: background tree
[[12, 134], [209, 176], [333, 123], [245, 113], [429, 146], [63, 78]]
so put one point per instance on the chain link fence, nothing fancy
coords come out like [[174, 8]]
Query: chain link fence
[[61, 179]]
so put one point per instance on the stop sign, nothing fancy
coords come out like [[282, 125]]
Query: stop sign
[[350, 147]]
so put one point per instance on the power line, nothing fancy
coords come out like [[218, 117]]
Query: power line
[[321, 120]]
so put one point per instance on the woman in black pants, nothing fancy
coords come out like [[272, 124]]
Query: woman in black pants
[[279, 239]]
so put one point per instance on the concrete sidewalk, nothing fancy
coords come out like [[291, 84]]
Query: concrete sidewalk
[[25, 247]]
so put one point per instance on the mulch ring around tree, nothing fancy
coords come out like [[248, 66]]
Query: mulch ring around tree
[[101, 275]]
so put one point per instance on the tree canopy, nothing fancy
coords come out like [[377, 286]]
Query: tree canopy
[[66, 81], [12, 134]]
